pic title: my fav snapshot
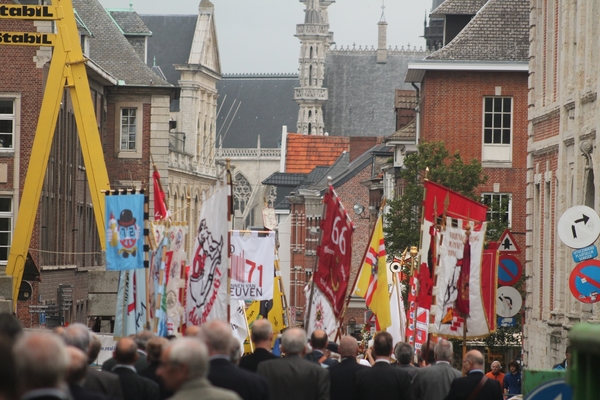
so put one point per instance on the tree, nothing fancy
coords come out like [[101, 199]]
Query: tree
[[403, 221]]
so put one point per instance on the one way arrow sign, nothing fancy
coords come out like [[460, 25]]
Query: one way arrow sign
[[579, 227], [507, 243]]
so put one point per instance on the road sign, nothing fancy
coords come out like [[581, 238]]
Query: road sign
[[509, 270], [507, 243], [584, 281], [507, 322], [551, 390], [579, 227], [586, 253], [508, 301]]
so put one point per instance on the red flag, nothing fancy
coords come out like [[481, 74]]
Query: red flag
[[489, 275], [425, 287], [335, 253], [454, 204], [462, 300], [160, 207]]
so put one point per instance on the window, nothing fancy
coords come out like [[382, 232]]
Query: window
[[497, 128], [500, 205], [6, 224], [128, 128], [7, 123]]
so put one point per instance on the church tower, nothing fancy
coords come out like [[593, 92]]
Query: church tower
[[315, 39]]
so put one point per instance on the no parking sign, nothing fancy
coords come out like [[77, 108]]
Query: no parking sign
[[584, 281], [510, 270]]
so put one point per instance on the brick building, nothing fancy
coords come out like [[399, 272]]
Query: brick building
[[128, 97], [474, 97]]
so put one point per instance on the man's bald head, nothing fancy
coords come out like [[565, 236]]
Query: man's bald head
[[192, 330], [348, 347], [318, 339], [473, 360], [126, 351], [217, 335]]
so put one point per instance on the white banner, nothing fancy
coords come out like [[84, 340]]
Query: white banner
[[252, 265], [321, 314], [447, 321], [207, 295]]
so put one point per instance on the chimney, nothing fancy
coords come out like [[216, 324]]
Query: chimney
[[382, 42]]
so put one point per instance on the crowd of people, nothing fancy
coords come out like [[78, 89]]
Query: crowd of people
[[207, 364]]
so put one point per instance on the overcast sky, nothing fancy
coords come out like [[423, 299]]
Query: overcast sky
[[257, 36]]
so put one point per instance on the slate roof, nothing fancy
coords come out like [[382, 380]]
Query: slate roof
[[284, 179], [499, 32], [171, 41], [110, 50], [306, 152], [129, 22], [252, 105], [359, 164], [362, 92], [458, 7]]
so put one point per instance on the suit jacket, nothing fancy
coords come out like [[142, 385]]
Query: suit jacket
[[341, 378], [433, 382], [200, 388], [293, 378], [408, 368], [462, 388], [382, 382], [79, 393], [136, 387], [140, 365], [251, 361], [103, 382], [150, 373], [316, 355], [249, 386]]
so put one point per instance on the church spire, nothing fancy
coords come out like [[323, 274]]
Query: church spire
[[315, 39]]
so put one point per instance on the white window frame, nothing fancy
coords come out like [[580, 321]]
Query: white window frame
[[14, 117], [10, 216], [497, 152], [498, 196], [137, 151]]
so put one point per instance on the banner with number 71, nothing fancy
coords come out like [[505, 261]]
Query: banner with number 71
[[252, 265]]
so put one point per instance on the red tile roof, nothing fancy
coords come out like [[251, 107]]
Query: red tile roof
[[306, 152]]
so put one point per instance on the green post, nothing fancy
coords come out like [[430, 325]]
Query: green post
[[582, 374]]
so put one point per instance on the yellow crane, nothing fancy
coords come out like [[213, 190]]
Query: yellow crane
[[67, 70]]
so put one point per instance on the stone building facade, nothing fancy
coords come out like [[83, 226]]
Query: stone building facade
[[563, 119]]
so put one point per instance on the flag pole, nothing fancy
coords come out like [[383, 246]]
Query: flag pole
[[353, 287], [312, 283], [230, 226]]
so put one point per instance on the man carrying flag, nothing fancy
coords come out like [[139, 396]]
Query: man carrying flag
[[372, 284]]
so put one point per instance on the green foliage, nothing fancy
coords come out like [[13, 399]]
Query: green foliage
[[449, 170]]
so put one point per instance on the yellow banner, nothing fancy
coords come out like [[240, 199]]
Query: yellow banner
[[28, 12], [27, 39], [274, 309]]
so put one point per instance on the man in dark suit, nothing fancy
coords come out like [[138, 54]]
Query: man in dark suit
[[292, 377], [134, 386], [404, 355], [318, 342], [433, 382], [462, 388], [141, 338], [382, 381], [78, 335], [262, 337], [341, 375], [222, 372], [76, 375]]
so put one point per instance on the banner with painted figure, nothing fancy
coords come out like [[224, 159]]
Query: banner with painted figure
[[238, 322], [458, 289], [321, 313], [252, 265], [175, 277], [124, 235], [334, 252], [207, 292], [131, 313]]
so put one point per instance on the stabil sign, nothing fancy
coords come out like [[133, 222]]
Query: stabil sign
[[47, 13]]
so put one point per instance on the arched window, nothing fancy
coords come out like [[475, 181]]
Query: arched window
[[242, 191]]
